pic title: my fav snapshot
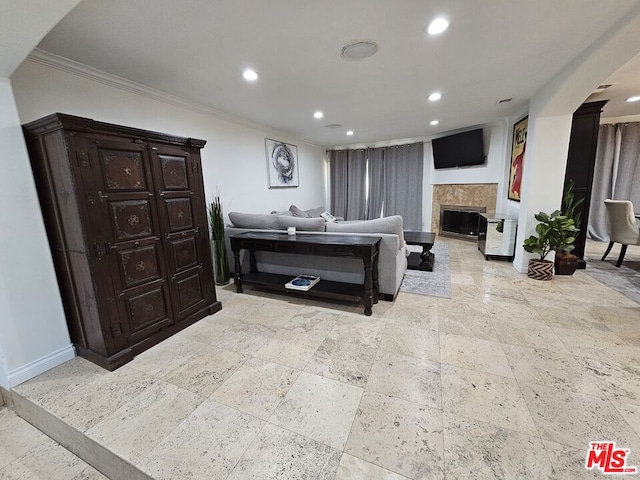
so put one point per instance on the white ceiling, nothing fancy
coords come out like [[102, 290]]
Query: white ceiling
[[197, 49]]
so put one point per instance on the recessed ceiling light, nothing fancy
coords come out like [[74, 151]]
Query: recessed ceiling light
[[350, 132], [318, 114], [250, 75], [633, 99], [359, 50], [435, 96], [435, 122], [437, 26]]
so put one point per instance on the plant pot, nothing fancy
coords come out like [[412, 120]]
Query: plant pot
[[220, 263], [540, 269], [566, 263]]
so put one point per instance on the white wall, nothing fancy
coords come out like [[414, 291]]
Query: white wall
[[233, 159], [550, 118], [33, 332], [491, 172], [34, 336], [496, 138]]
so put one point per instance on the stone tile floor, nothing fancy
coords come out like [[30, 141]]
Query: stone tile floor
[[511, 378]]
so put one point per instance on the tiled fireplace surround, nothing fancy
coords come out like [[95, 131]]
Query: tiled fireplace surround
[[468, 195]]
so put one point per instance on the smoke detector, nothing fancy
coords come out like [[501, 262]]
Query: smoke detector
[[359, 50]]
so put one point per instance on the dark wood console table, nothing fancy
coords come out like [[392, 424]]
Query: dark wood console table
[[424, 260], [365, 247]]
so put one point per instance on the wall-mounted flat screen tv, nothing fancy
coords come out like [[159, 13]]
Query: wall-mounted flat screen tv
[[459, 150]]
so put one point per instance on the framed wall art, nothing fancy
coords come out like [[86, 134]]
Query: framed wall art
[[282, 164], [518, 149]]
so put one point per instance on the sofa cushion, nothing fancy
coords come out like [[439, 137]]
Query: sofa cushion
[[392, 224], [282, 212], [254, 220], [302, 224]]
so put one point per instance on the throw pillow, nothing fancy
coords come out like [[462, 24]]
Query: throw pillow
[[392, 224], [315, 212], [254, 220], [302, 224], [298, 213]]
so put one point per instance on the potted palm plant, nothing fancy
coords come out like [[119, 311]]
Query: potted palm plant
[[219, 249], [555, 232]]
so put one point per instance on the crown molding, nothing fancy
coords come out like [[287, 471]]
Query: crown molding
[[48, 59]]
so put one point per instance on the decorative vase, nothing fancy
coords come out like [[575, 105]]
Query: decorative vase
[[220, 263], [540, 269], [566, 263]]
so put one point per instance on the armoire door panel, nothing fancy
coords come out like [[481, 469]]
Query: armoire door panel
[[146, 310], [190, 290], [179, 214], [174, 172], [138, 271], [184, 253], [123, 170], [131, 219], [138, 265]]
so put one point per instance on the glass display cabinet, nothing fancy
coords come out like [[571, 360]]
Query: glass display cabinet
[[497, 235]]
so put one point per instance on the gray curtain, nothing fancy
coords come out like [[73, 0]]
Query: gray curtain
[[627, 186], [356, 185], [376, 182], [403, 183], [338, 182], [602, 187], [616, 175]]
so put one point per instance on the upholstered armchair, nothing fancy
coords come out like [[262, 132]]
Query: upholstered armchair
[[623, 227]]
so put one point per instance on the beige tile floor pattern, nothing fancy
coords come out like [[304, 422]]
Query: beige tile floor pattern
[[27, 453], [509, 379]]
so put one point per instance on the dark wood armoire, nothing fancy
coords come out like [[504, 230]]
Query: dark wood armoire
[[126, 219]]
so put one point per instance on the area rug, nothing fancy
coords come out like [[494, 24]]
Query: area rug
[[625, 279], [434, 284]]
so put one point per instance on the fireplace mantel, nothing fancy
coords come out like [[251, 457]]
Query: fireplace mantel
[[468, 194]]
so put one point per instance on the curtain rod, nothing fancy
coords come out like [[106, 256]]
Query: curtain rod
[[374, 148]]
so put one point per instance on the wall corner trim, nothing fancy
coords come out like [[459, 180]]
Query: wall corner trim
[[521, 268], [33, 369], [51, 60]]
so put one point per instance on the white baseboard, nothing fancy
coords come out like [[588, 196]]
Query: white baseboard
[[521, 268], [41, 365]]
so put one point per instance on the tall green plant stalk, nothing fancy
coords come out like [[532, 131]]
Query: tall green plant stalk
[[570, 204], [221, 264]]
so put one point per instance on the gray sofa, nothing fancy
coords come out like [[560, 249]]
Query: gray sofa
[[392, 262]]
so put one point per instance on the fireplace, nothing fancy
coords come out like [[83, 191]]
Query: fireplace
[[460, 221]]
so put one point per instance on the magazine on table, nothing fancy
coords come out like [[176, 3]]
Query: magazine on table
[[302, 282]]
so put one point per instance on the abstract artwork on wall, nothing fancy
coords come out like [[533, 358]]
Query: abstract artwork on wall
[[517, 158], [282, 164]]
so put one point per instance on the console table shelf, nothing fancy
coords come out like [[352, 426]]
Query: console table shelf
[[366, 248], [324, 288]]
